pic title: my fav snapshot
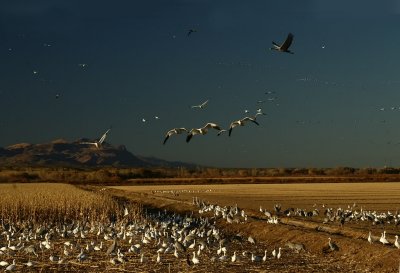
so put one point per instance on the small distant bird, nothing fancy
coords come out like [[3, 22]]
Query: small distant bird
[[81, 256], [195, 260], [190, 31], [260, 101], [332, 245], [383, 239], [221, 131], [278, 256], [173, 132], [200, 106], [259, 112], [285, 46], [112, 247], [241, 122], [156, 117], [82, 65], [202, 131], [143, 120], [256, 258], [35, 72], [57, 96], [251, 240], [369, 238], [99, 142], [11, 267]]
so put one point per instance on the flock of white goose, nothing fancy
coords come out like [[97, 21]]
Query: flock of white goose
[[158, 240]]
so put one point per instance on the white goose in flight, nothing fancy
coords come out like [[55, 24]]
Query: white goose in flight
[[200, 106], [99, 142], [241, 122], [285, 46], [202, 131], [173, 132]]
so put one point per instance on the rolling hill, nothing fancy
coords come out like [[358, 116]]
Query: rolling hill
[[73, 154]]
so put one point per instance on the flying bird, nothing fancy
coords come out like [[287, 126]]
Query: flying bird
[[221, 131], [99, 142], [190, 31], [202, 131], [200, 106], [241, 122], [173, 132], [285, 46]]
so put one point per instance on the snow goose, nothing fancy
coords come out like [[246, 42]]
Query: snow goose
[[174, 131], [202, 131], [285, 46]]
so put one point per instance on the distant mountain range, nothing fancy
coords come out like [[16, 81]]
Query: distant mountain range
[[73, 154]]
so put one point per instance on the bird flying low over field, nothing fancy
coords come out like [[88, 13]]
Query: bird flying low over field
[[173, 132], [202, 131], [285, 46], [99, 142], [200, 106]]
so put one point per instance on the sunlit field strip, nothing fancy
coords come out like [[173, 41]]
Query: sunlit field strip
[[377, 196]]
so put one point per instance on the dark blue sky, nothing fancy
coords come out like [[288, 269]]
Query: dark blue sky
[[141, 64]]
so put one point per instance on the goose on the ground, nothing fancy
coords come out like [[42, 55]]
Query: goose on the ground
[[158, 258], [383, 238], [332, 245], [255, 258], [11, 267], [396, 242], [278, 256], [234, 258], [112, 247], [265, 256], [369, 238], [195, 260]]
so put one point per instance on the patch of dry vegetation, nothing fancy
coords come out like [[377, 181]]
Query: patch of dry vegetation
[[60, 203], [112, 175]]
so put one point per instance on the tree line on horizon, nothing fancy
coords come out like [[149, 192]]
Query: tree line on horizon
[[118, 175]]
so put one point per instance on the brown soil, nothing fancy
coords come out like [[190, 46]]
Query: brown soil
[[355, 253]]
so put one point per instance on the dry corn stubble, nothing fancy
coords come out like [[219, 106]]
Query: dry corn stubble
[[51, 202]]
